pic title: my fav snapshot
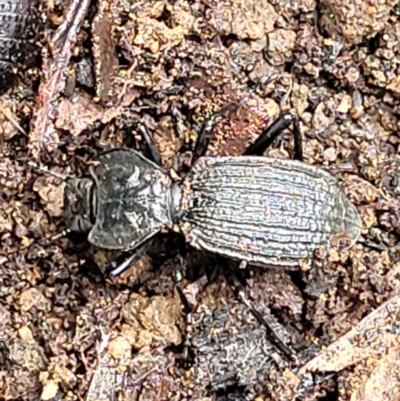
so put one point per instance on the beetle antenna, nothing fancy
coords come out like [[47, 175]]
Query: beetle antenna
[[61, 177], [62, 234]]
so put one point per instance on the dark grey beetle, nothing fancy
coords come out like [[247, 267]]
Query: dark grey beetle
[[264, 211], [19, 27]]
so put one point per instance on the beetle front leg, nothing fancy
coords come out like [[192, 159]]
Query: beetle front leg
[[136, 255], [268, 136]]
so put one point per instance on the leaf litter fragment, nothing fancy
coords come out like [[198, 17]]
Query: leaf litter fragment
[[373, 336], [375, 341]]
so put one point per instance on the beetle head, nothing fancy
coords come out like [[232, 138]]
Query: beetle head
[[80, 204]]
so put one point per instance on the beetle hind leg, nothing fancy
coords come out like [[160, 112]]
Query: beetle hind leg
[[266, 321], [268, 136], [188, 310]]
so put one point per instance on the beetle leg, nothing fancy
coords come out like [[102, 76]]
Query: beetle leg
[[155, 155], [267, 322], [240, 293], [179, 269], [139, 252], [267, 137], [207, 129]]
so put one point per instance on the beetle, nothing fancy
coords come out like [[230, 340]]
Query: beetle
[[19, 28], [262, 211]]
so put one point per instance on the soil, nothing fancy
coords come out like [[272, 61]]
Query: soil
[[107, 67]]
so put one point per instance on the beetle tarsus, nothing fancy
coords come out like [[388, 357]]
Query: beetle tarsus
[[268, 136]]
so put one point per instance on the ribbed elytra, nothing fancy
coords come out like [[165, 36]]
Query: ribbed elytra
[[268, 212]]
